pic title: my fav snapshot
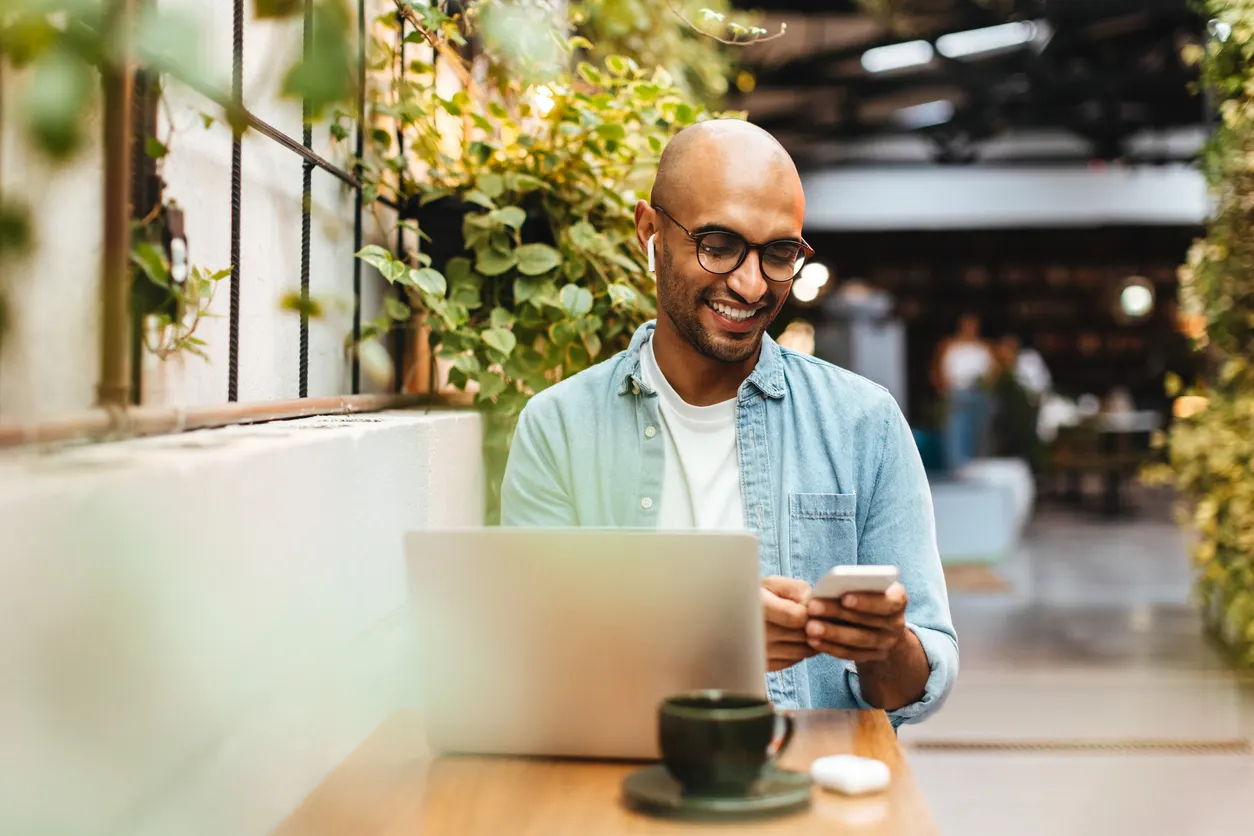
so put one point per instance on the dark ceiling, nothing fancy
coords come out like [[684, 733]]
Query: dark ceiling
[[1107, 75]]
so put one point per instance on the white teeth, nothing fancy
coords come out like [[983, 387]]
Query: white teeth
[[732, 313]]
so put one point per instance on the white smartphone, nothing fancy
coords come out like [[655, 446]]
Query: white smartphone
[[842, 579]]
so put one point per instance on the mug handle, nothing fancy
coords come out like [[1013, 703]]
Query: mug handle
[[783, 738]]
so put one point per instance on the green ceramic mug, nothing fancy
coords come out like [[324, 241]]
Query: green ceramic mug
[[717, 743]]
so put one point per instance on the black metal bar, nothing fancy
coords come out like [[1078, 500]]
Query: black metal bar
[[305, 200], [237, 154], [357, 171], [400, 329]]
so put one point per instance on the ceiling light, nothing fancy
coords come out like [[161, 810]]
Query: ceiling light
[[988, 39], [814, 273], [1136, 300], [925, 115], [805, 292], [884, 59]]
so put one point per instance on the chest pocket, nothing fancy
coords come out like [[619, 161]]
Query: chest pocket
[[822, 533]]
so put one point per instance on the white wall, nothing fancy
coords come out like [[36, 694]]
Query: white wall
[[50, 364], [960, 197], [195, 629]]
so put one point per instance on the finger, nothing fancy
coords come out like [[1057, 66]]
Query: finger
[[890, 602], [785, 635], [851, 654], [782, 612], [822, 631], [790, 589], [841, 615]]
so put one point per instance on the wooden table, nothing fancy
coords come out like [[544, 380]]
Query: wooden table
[[389, 786]]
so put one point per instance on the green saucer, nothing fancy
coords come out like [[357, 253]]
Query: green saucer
[[652, 790]]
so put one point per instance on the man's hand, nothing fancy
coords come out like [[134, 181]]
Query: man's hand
[[786, 643], [869, 625]]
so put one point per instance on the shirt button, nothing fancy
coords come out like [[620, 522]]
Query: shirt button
[[650, 431], [635, 390], [646, 503]]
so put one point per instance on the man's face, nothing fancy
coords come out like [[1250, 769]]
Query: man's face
[[724, 316]]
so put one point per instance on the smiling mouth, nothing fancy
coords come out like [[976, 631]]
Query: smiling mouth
[[734, 314]]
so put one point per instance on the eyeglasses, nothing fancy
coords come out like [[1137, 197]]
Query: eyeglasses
[[722, 252]]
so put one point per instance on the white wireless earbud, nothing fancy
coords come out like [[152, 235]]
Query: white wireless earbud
[[652, 258]]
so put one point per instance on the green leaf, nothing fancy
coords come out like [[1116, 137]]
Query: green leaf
[[535, 259], [457, 269], [479, 198], [155, 148], [492, 262], [612, 131], [296, 303], [563, 333], [501, 318], [490, 184], [574, 268], [584, 236], [467, 363], [375, 256], [620, 65], [655, 143], [511, 216], [498, 110], [527, 183], [576, 300], [428, 280], [482, 123], [592, 343], [396, 309], [590, 74], [684, 114], [623, 296], [450, 106], [500, 340], [590, 324], [578, 42], [150, 260], [491, 384], [525, 290]]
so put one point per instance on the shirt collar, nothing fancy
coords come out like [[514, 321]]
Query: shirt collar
[[767, 376]]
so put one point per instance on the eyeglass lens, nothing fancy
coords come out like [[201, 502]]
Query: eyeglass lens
[[722, 252]]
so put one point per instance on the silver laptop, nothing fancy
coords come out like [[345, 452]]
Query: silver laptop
[[563, 642]]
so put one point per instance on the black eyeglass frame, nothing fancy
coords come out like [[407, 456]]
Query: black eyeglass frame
[[749, 247]]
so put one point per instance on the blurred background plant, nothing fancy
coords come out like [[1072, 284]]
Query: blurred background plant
[[1209, 448]]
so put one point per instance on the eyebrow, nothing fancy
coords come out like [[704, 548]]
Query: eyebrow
[[715, 226]]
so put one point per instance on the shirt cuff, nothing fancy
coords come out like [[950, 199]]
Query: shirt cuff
[[942, 659]]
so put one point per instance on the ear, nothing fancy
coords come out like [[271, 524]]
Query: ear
[[652, 264]]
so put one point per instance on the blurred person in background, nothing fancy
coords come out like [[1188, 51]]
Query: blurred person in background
[[962, 369], [1016, 391]]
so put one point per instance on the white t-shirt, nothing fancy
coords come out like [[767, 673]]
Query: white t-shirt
[[701, 482], [965, 364]]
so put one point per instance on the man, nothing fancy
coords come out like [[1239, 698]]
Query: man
[[706, 422]]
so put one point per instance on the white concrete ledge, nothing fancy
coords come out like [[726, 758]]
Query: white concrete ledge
[[195, 629]]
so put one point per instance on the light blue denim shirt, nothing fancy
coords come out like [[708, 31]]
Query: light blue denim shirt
[[829, 474]]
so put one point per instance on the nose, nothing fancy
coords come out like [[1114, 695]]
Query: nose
[[747, 281]]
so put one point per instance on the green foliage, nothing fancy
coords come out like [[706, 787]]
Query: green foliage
[[547, 277], [1210, 450], [653, 37]]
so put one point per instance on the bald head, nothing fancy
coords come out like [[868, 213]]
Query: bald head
[[710, 151]]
